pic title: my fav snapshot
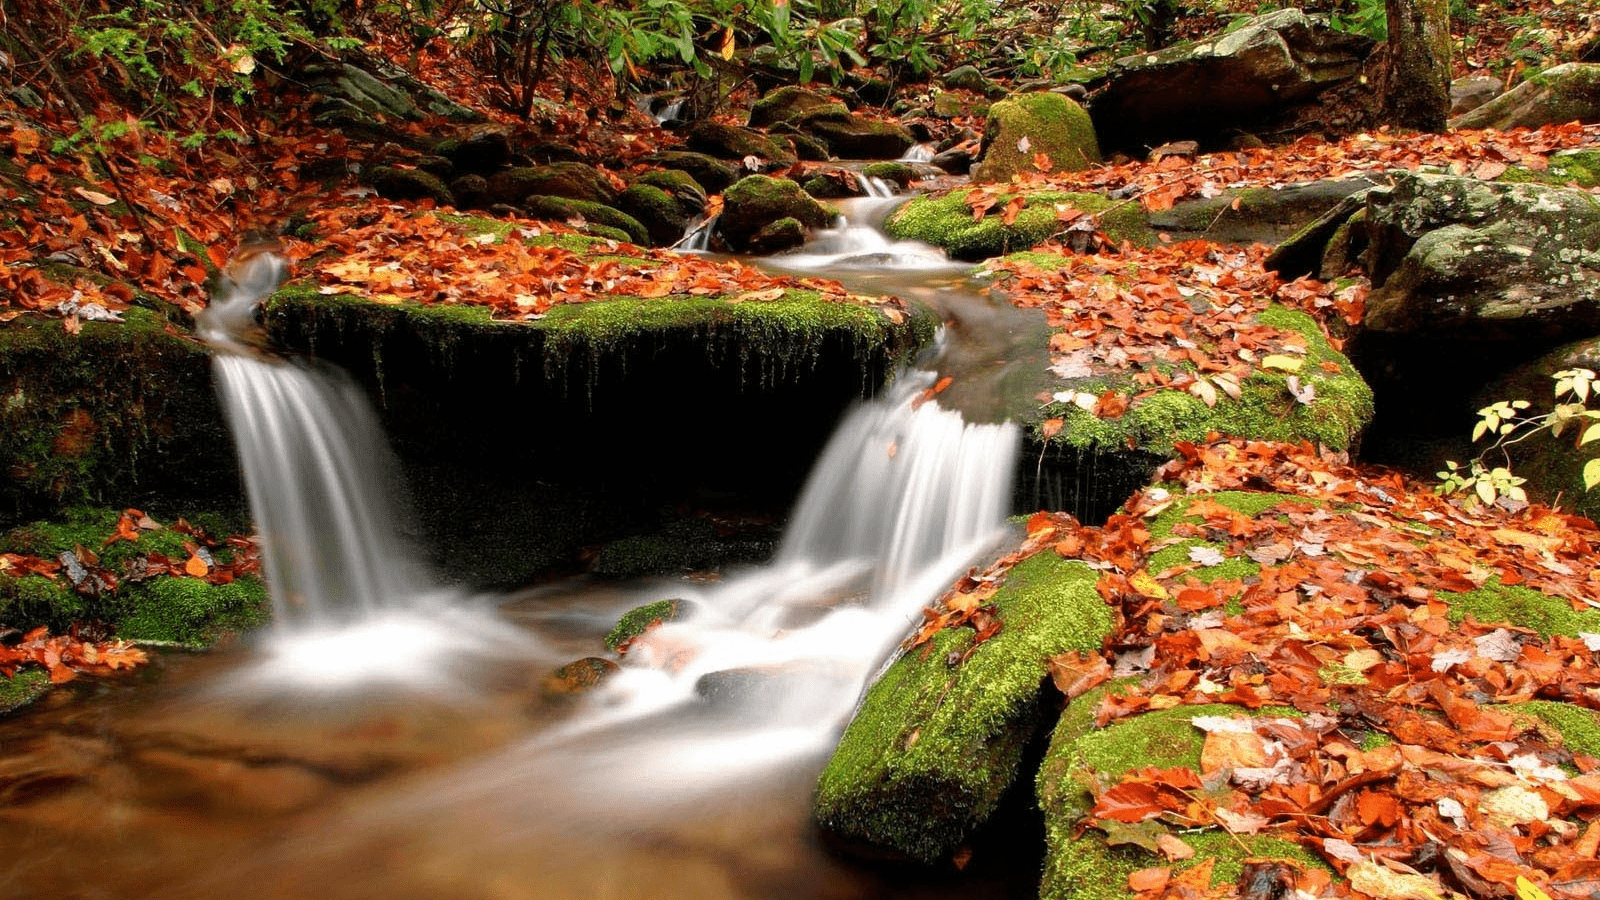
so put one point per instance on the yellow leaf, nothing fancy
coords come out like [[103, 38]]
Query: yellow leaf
[[1283, 362], [1145, 584], [1527, 890], [1375, 881], [727, 43]]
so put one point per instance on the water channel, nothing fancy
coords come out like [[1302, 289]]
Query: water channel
[[388, 737]]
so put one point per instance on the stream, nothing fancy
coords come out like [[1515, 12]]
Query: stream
[[389, 737]]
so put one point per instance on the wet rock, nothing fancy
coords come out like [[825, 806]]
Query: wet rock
[[578, 677], [800, 143], [218, 782], [956, 161], [1025, 125], [1472, 91], [940, 736], [897, 173], [712, 174], [946, 222], [835, 182], [786, 233], [732, 142], [1244, 79], [786, 104], [572, 180], [779, 691], [687, 193], [643, 618], [759, 201], [1565, 93], [658, 211]]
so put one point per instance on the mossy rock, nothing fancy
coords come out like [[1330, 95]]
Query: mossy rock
[[850, 136], [1024, 125], [1266, 408], [571, 180], [1493, 603], [589, 215], [946, 222], [122, 412], [659, 212], [897, 173], [1575, 729], [1568, 168], [712, 174], [1555, 96], [394, 183], [22, 689], [641, 619], [788, 103], [578, 677], [758, 201], [732, 142], [940, 736], [681, 186], [1083, 866], [165, 608]]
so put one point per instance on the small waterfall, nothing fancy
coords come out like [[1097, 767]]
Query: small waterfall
[[698, 238], [876, 187], [920, 153]]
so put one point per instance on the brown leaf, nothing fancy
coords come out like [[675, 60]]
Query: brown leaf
[[1075, 674], [1153, 879]]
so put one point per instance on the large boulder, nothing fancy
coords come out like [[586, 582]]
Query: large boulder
[[712, 174], [480, 151], [758, 202], [1459, 257], [572, 180], [789, 103], [660, 213], [850, 136], [732, 142], [1565, 93], [1026, 125], [1247, 79]]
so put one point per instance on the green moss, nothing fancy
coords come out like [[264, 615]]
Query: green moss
[[1577, 727], [1085, 867], [637, 621], [595, 214], [22, 688], [937, 740], [189, 611], [1265, 410], [1050, 123], [946, 222], [1177, 554], [1495, 603]]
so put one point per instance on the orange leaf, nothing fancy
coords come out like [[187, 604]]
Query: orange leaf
[[1153, 879], [1013, 207], [1049, 428], [196, 566]]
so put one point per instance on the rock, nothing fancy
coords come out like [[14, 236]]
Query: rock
[[367, 92], [643, 618], [759, 201], [940, 736], [681, 186], [1458, 257], [578, 677], [1267, 215], [408, 184], [946, 222], [657, 210], [956, 161], [547, 152], [1565, 93], [850, 136], [789, 103], [572, 180], [471, 192], [1552, 465], [481, 151], [712, 174], [1247, 78], [1472, 91], [968, 78], [833, 183], [1025, 125], [895, 172], [792, 692], [801, 144], [947, 105], [587, 213], [786, 233], [732, 142]]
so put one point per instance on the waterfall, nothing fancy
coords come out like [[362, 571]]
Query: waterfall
[[876, 187], [918, 153]]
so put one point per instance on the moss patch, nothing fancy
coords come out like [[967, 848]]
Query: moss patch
[[1024, 125], [946, 222], [936, 742], [1578, 728], [641, 619], [1265, 410], [1494, 603], [22, 688]]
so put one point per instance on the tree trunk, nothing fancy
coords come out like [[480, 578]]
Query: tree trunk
[[1418, 89]]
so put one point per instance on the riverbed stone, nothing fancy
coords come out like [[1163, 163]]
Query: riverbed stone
[[684, 190], [658, 211], [1023, 126], [732, 142], [940, 736], [712, 174], [1566, 93], [789, 103], [759, 201], [571, 180]]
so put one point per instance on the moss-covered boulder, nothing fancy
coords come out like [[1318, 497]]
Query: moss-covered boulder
[[852, 136], [684, 190], [569, 180], [122, 412], [1025, 125], [759, 201], [587, 215], [659, 212], [1090, 864], [941, 735], [946, 222], [968, 78], [896, 173], [712, 174], [480, 151], [732, 142], [788, 103], [1258, 214], [1566, 93], [641, 619], [396, 183]]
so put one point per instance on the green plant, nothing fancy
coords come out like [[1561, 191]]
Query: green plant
[[1509, 423], [1368, 17]]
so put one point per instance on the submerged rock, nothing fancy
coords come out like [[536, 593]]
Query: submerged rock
[[578, 677], [641, 619]]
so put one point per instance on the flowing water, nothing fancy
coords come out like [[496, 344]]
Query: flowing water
[[388, 737]]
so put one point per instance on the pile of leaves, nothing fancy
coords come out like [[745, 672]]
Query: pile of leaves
[[1406, 766]]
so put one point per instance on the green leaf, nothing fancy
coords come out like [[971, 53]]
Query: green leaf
[[1589, 434], [1591, 473]]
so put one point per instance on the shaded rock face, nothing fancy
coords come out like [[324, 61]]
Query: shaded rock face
[[712, 174], [1557, 95], [849, 136], [1486, 261], [1029, 124], [572, 180], [789, 103], [1471, 92], [1245, 79], [732, 142], [758, 202]]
